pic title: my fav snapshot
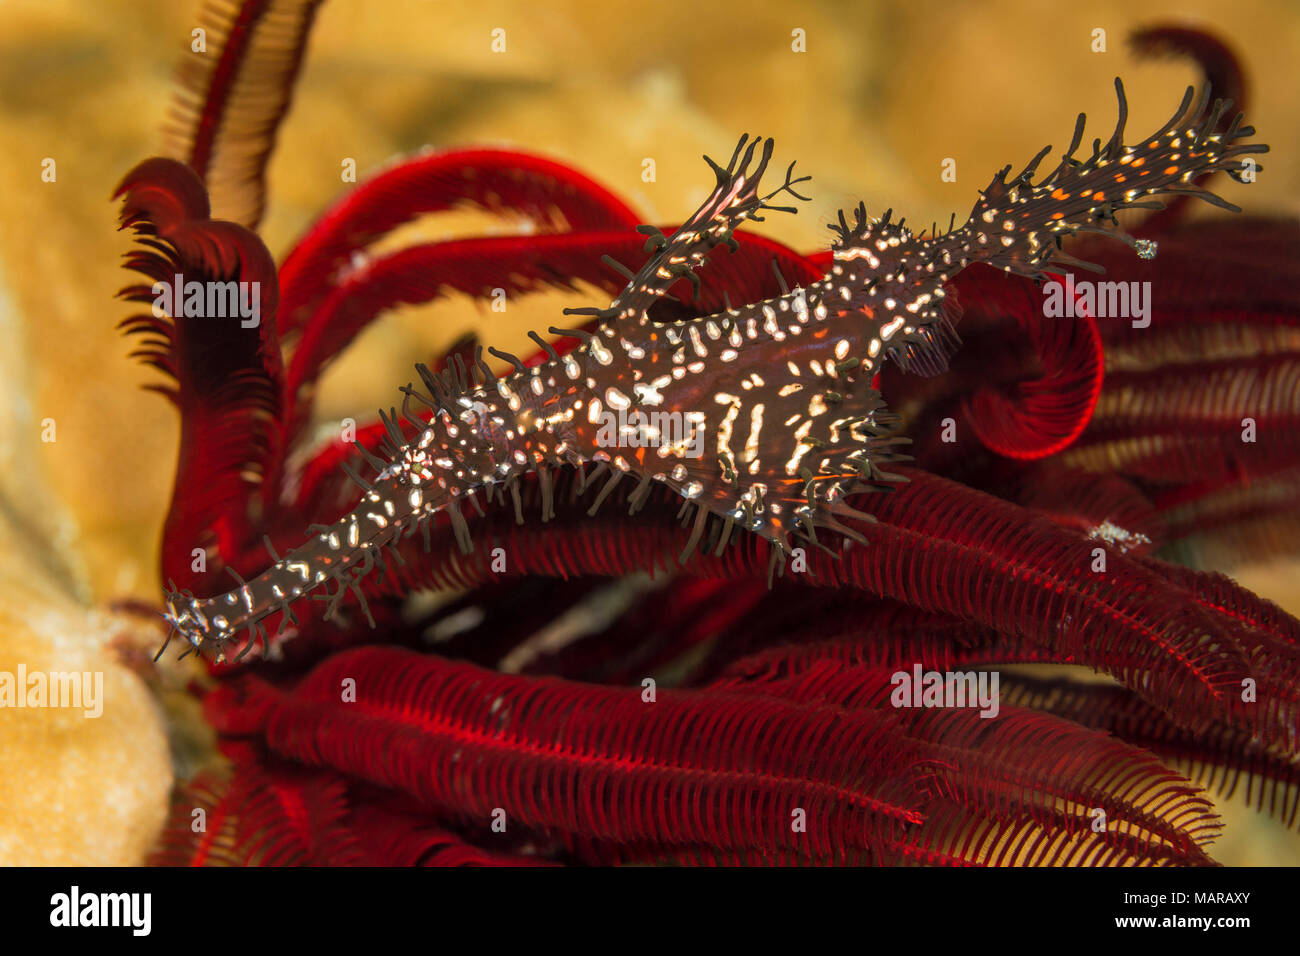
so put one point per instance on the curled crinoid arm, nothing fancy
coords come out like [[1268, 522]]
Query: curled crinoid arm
[[1018, 225], [734, 199]]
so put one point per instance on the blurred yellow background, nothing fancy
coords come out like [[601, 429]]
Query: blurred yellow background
[[883, 93]]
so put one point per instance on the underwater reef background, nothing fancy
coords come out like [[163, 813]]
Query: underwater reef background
[[883, 94]]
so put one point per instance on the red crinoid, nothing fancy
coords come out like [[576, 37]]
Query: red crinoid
[[606, 687]]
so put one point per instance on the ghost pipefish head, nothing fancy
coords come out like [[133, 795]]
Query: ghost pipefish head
[[185, 615]]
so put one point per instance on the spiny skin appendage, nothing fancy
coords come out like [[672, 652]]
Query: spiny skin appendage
[[771, 403]]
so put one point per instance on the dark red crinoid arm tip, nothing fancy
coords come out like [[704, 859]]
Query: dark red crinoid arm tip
[[1039, 416]]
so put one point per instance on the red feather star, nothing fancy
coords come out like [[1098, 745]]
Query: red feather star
[[1062, 464]]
